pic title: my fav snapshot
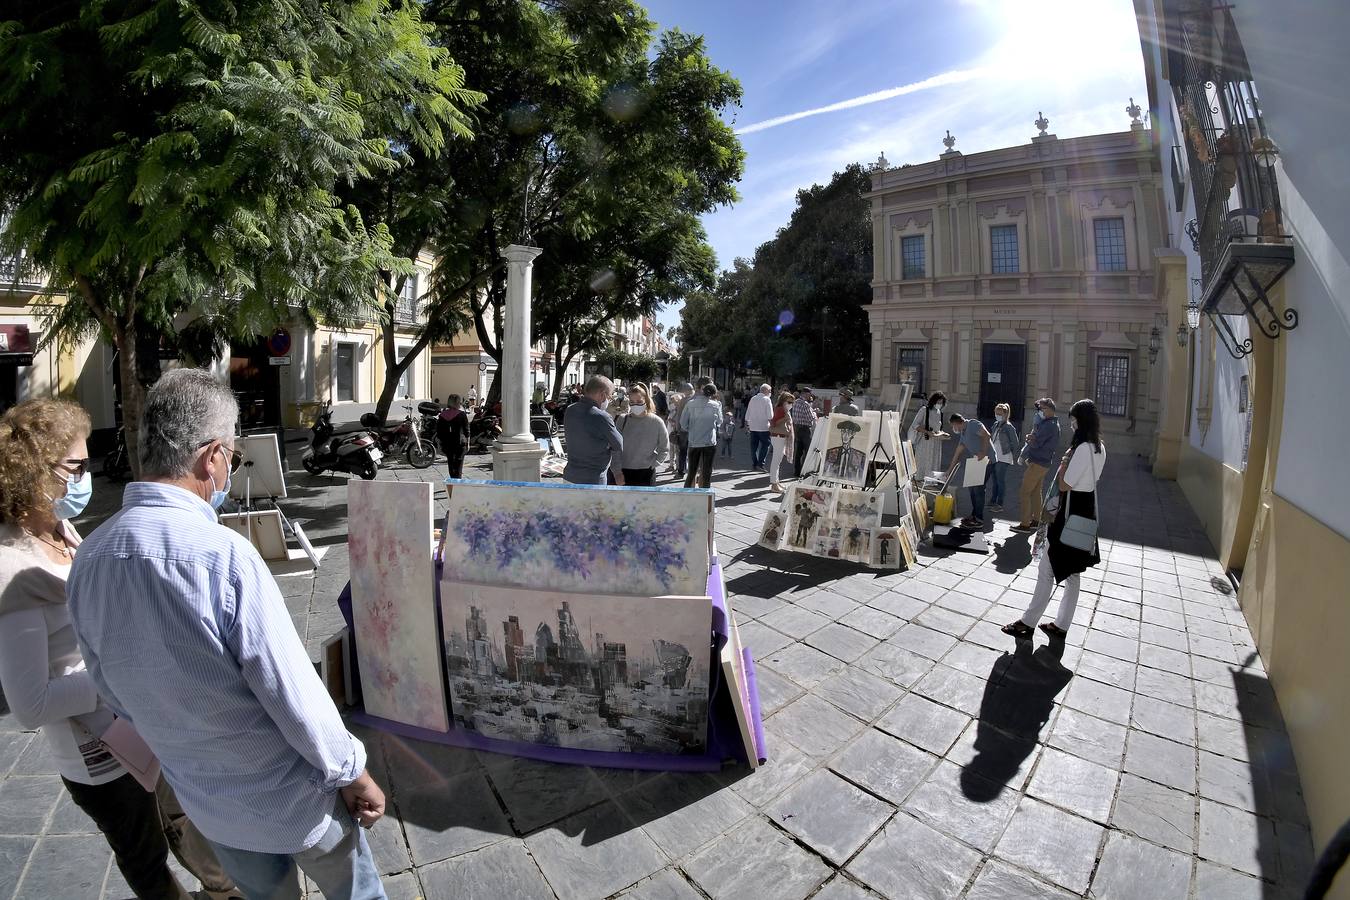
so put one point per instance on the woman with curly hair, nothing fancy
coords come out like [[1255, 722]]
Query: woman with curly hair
[[45, 482]]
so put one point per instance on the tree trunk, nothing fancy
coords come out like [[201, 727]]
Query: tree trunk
[[133, 393]]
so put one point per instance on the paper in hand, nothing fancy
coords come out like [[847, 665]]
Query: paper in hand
[[130, 749]]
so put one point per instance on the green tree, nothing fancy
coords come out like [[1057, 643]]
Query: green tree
[[157, 155], [593, 144], [799, 305]]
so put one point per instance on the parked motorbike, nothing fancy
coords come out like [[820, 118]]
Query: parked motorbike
[[483, 433], [357, 452], [429, 410], [403, 437], [117, 464]]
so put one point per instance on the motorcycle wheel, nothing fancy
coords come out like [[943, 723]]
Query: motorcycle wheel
[[420, 454], [311, 466], [369, 471], [114, 465]]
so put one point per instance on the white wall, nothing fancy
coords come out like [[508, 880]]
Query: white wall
[[1298, 61]]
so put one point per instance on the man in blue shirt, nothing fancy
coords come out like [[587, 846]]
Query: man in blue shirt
[[1038, 454], [188, 638], [975, 444], [593, 443]]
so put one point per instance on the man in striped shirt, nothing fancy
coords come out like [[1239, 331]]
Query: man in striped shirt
[[187, 637], [803, 416]]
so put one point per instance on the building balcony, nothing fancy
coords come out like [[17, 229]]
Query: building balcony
[[19, 273], [1238, 230], [405, 311]]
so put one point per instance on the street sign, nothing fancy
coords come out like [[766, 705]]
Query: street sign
[[279, 360], [279, 344]]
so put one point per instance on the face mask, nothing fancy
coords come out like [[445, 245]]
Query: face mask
[[1073, 424], [218, 497], [1001, 419], [78, 492], [636, 409], [1040, 416]]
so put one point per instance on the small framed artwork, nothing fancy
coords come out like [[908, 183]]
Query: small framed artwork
[[771, 535], [885, 552], [857, 543]]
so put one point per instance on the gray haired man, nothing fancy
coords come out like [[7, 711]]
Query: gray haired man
[[594, 444], [187, 637]]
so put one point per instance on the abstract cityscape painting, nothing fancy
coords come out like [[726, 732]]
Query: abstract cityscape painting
[[579, 671], [644, 542], [393, 607]]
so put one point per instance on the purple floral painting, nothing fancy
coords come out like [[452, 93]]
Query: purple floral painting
[[393, 603], [628, 542]]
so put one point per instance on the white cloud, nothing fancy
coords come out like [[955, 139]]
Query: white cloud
[[955, 76]]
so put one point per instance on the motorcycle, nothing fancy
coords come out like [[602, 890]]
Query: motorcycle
[[483, 433], [117, 464], [357, 452], [429, 410], [404, 437]]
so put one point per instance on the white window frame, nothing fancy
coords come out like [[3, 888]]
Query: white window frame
[[1002, 216], [356, 370], [1109, 210], [910, 229]]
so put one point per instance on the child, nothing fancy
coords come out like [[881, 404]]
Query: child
[[728, 432]]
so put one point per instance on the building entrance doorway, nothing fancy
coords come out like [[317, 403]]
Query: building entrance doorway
[[256, 383], [1003, 379]]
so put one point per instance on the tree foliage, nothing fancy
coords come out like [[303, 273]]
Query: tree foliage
[[595, 144], [161, 155], [797, 307]]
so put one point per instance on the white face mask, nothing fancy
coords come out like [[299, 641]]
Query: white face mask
[[1001, 419], [636, 409]]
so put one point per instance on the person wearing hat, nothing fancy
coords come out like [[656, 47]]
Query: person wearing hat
[[846, 405], [846, 462]]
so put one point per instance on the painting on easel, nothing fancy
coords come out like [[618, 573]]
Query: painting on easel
[[847, 442]]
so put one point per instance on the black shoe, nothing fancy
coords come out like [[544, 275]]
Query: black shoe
[[1024, 529]]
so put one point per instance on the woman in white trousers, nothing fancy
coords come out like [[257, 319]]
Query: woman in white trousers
[[780, 438]]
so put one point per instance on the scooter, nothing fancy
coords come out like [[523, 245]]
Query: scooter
[[356, 453], [483, 433], [404, 437]]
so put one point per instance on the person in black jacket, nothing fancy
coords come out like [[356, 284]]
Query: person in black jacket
[[452, 430]]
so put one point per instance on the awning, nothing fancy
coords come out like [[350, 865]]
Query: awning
[[16, 347]]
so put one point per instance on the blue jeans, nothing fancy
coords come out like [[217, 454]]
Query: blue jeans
[[977, 502], [340, 864], [759, 449], [998, 476]]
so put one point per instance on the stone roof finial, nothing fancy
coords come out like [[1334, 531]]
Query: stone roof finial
[[881, 165], [1042, 123], [1133, 112], [949, 142]]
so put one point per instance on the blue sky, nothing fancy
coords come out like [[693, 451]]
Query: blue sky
[[906, 71]]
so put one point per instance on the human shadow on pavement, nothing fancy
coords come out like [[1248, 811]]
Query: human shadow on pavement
[[1019, 696], [1013, 554]]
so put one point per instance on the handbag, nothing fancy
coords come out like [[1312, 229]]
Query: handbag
[[1079, 532]]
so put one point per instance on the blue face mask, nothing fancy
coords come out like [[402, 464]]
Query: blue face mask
[[78, 492], [1040, 416], [219, 497]]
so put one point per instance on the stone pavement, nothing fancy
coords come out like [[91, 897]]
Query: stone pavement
[[916, 751]]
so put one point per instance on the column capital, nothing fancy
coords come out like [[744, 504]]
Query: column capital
[[519, 254]]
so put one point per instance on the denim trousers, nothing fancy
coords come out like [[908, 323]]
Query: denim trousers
[[759, 449], [340, 864], [977, 501], [998, 478]]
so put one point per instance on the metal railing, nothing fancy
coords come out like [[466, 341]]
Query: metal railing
[[19, 271], [1229, 154], [405, 311]]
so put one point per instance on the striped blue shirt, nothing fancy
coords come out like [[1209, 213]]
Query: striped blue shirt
[[186, 635]]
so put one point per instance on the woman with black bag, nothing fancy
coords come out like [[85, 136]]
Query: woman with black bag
[[1070, 546]]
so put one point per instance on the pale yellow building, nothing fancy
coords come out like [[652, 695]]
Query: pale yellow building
[[1023, 272]]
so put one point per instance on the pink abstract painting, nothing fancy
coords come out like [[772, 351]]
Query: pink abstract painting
[[393, 602]]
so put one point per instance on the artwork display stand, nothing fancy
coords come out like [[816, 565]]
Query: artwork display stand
[[260, 517], [729, 716]]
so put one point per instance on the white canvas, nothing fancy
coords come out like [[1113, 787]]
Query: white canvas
[[641, 542], [848, 440], [263, 528], [973, 475], [808, 506], [259, 473], [393, 604], [581, 671]]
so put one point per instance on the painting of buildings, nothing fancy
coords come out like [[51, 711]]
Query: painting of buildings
[[579, 671], [635, 542]]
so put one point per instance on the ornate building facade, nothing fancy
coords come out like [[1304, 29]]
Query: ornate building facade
[[1012, 274]]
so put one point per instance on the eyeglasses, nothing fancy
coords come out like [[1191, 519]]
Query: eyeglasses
[[236, 456], [76, 467]]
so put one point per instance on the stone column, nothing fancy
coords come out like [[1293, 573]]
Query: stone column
[[516, 455]]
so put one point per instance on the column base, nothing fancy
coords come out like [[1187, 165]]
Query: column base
[[516, 462]]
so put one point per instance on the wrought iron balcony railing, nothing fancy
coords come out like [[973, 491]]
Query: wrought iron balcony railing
[[19, 271], [405, 311], [1238, 230]]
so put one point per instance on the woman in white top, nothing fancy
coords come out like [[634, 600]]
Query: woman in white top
[[44, 480], [645, 442], [926, 434], [1079, 474]]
